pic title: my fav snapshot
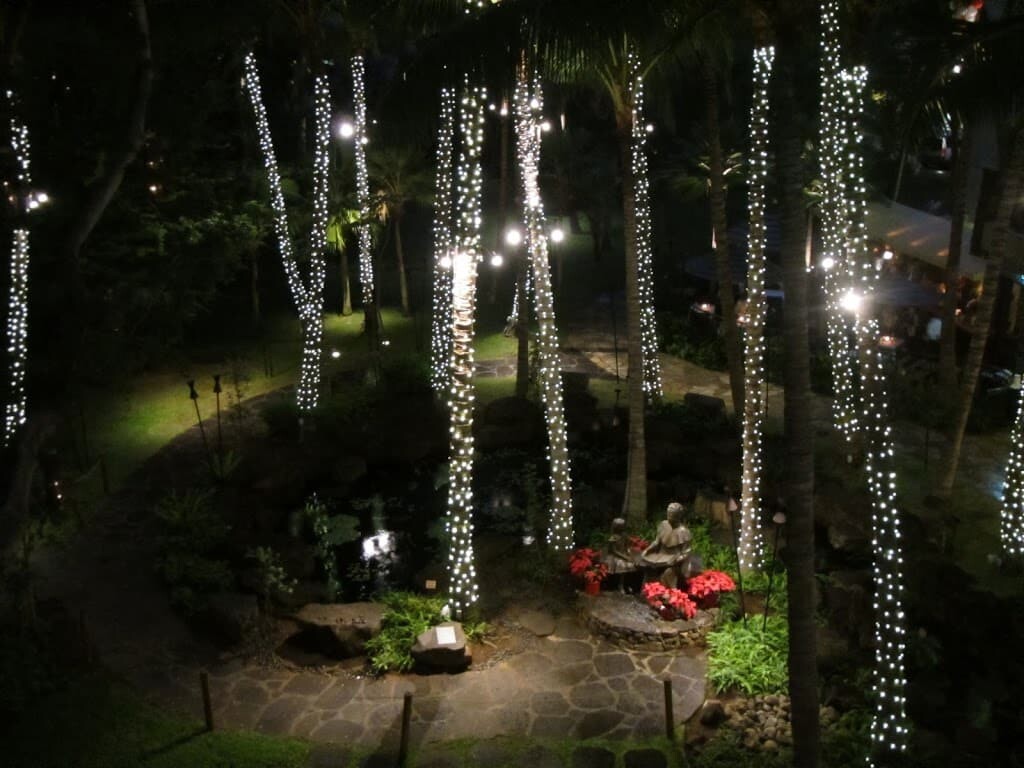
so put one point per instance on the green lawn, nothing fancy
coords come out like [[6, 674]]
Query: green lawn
[[97, 723]]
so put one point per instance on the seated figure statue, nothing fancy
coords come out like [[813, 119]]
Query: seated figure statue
[[669, 556], [619, 559]]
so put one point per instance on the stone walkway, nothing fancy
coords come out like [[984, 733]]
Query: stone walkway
[[568, 684]]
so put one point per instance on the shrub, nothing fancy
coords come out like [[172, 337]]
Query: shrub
[[745, 658], [405, 375], [281, 416], [329, 532], [192, 532], [406, 616]]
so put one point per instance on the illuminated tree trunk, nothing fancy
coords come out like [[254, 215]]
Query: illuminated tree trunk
[[642, 232], [459, 524], [1011, 517], [751, 542], [308, 299], [719, 223], [441, 328], [364, 230], [17, 306], [831, 155], [560, 525]]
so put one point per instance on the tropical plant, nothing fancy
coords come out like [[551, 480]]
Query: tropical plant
[[329, 532], [743, 658], [406, 617], [585, 564], [273, 581]]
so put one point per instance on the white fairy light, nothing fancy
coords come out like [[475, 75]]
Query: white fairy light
[[889, 725], [1011, 516], [444, 212], [644, 253], [17, 306], [467, 254], [365, 232], [528, 146], [751, 547], [832, 151], [309, 299]]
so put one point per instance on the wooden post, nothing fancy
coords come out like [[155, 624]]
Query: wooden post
[[670, 730], [204, 684], [403, 744]]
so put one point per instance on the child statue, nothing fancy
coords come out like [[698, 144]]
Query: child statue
[[669, 555]]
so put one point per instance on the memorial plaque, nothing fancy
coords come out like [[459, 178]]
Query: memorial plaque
[[430, 584]]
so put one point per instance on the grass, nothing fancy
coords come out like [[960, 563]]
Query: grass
[[98, 723]]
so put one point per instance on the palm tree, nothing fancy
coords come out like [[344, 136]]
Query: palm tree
[[1009, 193], [400, 177]]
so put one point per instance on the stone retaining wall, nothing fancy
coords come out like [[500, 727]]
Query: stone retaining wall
[[628, 621]]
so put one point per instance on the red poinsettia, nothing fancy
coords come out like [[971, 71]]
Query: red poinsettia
[[709, 583], [669, 603], [585, 564]]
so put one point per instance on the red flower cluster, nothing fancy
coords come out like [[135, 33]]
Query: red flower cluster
[[701, 590], [586, 564], [669, 603], [709, 583]]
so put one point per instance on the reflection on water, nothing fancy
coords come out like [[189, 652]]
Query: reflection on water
[[378, 546]]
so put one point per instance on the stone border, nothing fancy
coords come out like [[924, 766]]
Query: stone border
[[626, 621]]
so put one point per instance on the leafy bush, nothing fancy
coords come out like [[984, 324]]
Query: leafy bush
[[726, 749], [27, 668], [272, 578], [191, 533], [748, 659], [330, 532], [406, 616], [690, 419], [700, 346], [405, 375]]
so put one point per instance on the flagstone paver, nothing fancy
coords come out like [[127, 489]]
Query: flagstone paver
[[582, 687]]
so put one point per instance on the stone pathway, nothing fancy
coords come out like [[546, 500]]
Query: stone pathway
[[568, 684]]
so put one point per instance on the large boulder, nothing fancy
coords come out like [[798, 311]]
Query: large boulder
[[337, 630], [443, 647]]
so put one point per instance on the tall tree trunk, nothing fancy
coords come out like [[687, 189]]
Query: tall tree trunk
[[719, 223], [635, 502], [503, 181], [947, 342], [346, 282], [521, 328], [403, 283], [799, 472], [1009, 194]]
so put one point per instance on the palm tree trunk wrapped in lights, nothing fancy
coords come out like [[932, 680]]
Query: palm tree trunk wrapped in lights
[[461, 566], [832, 152], [528, 105], [644, 252], [751, 547], [308, 299], [441, 327], [889, 724], [17, 307], [363, 190]]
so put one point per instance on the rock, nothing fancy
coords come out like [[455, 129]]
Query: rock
[[454, 656], [750, 738], [713, 507], [711, 407], [770, 746], [712, 713], [232, 615], [340, 630], [645, 758], [539, 623], [773, 700]]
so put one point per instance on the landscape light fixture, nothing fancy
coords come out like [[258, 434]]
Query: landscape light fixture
[[557, 235], [513, 237], [346, 130]]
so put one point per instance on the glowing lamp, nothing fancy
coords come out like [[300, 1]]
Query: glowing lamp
[[557, 235], [513, 237]]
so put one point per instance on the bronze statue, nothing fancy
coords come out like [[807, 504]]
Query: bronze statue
[[669, 555], [619, 558]]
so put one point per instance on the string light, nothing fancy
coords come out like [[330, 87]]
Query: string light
[[365, 232], [889, 725], [644, 252], [441, 326], [459, 523], [1011, 516], [308, 300], [751, 547], [832, 152], [17, 312], [528, 105]]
